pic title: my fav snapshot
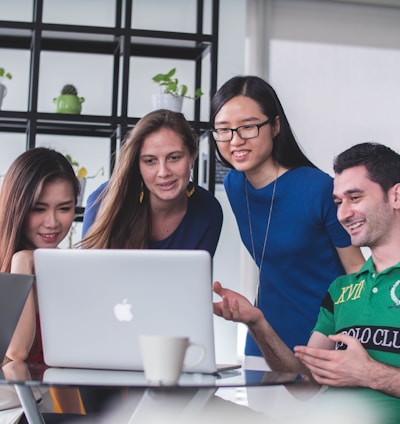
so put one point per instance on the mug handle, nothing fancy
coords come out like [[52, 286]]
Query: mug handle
[[200, 359]]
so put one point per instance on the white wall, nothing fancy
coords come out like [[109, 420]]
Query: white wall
[[228, 255], [336, 69]]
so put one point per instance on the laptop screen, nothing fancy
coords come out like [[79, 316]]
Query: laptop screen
[[94, 304], [14, 289]]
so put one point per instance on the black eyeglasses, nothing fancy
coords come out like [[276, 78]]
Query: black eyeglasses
[[244, 132]]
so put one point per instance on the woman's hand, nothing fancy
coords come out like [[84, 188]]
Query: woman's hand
[[22, 262], [24, 334]]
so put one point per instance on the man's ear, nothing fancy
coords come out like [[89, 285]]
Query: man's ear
[[396, 195], [276, 126]]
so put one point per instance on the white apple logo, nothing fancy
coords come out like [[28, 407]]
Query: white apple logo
[[122, 311]]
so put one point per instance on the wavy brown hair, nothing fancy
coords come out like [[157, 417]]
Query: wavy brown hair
[[20, 190], [122, 221]]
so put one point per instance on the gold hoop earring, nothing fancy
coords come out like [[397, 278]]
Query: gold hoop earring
[[190, 189], [141, 194]]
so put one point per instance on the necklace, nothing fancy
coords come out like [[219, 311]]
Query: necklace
[[266, 233]]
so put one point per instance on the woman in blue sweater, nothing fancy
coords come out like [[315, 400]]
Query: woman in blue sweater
[[150, 201], [284, 210]]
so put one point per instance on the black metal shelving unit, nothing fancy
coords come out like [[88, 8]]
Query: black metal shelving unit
[[122, 42]]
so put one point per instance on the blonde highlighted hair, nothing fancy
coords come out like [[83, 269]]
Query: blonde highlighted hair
[[123, 222]]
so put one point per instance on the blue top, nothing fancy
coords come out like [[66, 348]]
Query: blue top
[[199, 229], [300, 259]]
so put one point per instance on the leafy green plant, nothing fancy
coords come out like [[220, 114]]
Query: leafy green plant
[[81, 171], [170, 84], [4, 75]]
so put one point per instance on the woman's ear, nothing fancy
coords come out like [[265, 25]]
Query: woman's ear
[[276, 126]]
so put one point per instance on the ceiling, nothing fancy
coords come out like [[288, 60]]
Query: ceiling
[[384, 3]]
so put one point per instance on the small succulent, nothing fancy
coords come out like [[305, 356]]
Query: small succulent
[[69, 89]]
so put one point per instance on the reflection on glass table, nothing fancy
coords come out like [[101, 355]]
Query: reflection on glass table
[[286, 396], [186, 399]]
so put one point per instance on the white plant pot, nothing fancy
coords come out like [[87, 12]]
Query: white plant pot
[[167, 101], [3, 92], [82, 182]]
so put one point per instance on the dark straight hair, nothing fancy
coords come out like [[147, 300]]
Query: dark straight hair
[[286, 150]]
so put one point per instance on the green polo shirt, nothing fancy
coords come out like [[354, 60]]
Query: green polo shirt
[[366, 305]]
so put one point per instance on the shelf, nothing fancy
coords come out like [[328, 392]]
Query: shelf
[[85, 125], [121, 43], [70, 38]]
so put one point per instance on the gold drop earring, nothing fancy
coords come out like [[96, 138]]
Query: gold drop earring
[[190, 189]]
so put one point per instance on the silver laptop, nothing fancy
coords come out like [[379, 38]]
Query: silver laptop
[[94, 304], [14, 289]]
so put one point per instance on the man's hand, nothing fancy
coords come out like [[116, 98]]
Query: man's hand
[[234, 306], [340, 368]]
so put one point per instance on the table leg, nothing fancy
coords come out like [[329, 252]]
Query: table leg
[[168, 406], [198, 402], [29, 404]]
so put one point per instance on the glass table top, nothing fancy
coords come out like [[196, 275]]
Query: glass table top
[[39, 374]]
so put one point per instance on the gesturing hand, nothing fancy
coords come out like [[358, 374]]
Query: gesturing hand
[[339, 368], [234, 306]]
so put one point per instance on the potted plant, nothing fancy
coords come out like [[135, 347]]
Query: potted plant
[[82, 174], [3, 89], [172, 92], [68, 101]]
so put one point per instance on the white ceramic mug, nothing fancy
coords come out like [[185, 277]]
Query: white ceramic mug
[[163, 357]]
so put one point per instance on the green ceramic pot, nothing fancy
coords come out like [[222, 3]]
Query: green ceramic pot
[[68, 103]]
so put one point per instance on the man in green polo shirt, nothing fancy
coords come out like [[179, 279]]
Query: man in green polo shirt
[[356, 340]]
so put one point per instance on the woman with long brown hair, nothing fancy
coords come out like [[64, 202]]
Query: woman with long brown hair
[[37, 207], [150, 201]]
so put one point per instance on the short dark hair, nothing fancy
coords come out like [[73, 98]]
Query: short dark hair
[[381, 162]]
